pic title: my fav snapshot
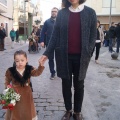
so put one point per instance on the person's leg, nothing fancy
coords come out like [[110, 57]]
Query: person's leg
[[1, 46], [67, 93], [93, 51], [118, 45], [12, 46], [66, 89], [78, 86], [98, 45], [110, 45], [51, 65]]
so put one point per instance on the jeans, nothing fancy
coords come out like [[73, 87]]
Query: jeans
[[12, 38], [51, 63], [73, 67], [118, 45], [106, 43], [111, 44]]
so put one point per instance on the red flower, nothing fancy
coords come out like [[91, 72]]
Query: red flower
[[2, 102], [10, 106], [9, 86]]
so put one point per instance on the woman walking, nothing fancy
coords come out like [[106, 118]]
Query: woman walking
[[73, 39], [99, 41]]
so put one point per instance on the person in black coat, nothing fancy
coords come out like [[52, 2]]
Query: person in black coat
[[73, 39], [2, 36], [17, 35], [111, 37], [117, 34]]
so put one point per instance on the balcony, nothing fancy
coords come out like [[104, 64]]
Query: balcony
[[3, 6]]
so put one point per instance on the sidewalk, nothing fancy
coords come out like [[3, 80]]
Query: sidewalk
[[16, 46], [102, 88]]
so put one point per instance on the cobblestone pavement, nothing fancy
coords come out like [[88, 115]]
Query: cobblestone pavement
[[101, 101]]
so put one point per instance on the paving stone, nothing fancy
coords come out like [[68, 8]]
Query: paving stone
[[35, 95], [57, 104], [42, 104], [40, 100], [45, 96], [1, 115], [61, 108], [53, 108]]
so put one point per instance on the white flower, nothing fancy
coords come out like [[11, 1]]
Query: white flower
[[17, 97], [13, 102], [4, 92]]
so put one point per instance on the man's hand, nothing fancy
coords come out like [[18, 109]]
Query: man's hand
[[42, 60], [42, 44]]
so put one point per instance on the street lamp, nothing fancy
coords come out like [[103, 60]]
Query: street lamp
[[110, 13], [25, 33]]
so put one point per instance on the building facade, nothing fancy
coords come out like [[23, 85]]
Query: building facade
[[6, 15], [103, 9], [24, 11]]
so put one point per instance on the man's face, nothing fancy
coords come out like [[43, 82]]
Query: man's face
[[54, 13], [2, 25]]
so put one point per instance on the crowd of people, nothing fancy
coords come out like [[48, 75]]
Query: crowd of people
[[13, 34]]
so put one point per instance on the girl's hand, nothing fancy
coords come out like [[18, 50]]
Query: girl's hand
[[42, 60]]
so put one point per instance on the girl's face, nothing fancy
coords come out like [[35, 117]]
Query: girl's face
[[74, 2], [20, 61]]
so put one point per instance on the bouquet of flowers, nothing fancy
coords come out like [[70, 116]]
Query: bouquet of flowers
[[9, 97]]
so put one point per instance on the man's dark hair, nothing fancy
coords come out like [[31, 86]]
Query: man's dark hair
[[118, 24], [67, 4], [112, 23]]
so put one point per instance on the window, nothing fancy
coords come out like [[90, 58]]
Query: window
[[4, 2], [106, 3]]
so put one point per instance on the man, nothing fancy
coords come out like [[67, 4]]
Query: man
[[111, 37], [12, 35], [117, 33], [45, 37], [17, 35], [3, 29], [2, 36], [73, 40]]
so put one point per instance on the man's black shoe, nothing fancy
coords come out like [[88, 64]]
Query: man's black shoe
[[52, 77]]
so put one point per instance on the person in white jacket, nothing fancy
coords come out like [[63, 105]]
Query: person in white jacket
[[99, 41]]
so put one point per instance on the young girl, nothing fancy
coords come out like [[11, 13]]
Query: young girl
[[19, 77]]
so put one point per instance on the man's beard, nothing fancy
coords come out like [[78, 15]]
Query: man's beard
[[53, 17]]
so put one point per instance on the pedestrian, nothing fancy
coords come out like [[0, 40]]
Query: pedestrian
[[117, 33], [111, 37], [99, 41], [106, 38], [73, 40], [19, 77], [3, 29], [2, 36], [12, 35], [46, 33], [17, 35]]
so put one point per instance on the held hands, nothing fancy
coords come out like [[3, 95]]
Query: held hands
[[42, 60], [42, 44]]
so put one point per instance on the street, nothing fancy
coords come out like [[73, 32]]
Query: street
[[102, 88]]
